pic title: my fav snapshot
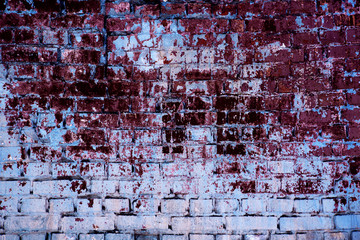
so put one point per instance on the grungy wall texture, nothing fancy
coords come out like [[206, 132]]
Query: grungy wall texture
[[179, 120]]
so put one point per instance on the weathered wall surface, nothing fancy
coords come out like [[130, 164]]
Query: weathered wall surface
[[179, 120]]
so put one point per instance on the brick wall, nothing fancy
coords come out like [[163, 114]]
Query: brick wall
[[185, 120]]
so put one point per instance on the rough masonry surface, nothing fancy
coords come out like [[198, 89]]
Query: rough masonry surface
[[179, 120]]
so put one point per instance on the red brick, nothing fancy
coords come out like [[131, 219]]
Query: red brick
[[81, 56], [117, 8], [87, 39], [353, 35], [6, 36], [328, 37], [17, 20], [306, 38], [152, 11], [199, 10], [173, 9], [116, 105], [302, 6], [28, 54], [224, 10], [76, 21], [90, 105], [275, 8], [89, 6], [124, 25]]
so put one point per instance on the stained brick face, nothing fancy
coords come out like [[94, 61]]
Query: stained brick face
[[179, 120]]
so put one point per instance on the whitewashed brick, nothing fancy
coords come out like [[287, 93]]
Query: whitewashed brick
[[336, 236], [305, 223], [39, 236], [32, 223], [178, 206], [104, 187], [280, 205], [305, 205], [228, 237], [61, 205], [9, 237], [253, 205], [251, 223], [131, 223], [89, 205], [8, 205], [33, 205], [310, 235], [92, 237], [201, 237], [347, 221], [226, 205], [37, 170], [146, 205], [256, 237], [201, 206], [14, 187], [85, 224], [118, 236], [355, 235], [174, 237], [283, 237], [117, 205], [198, 224], [63, 236]]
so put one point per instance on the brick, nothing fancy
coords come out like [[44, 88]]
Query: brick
[[173, 9], [57, 37], [91, 205], [174, 206], [117, 205], [131, 223], [114, 236], [32, 223], [104, 187], [201, 206], [26, 36], [117, 8], [62, 236], [199, 10], [257, 236], [85, 224], [253, 205], [14, 187], [33, 205], [34, 236], [346, 221], [201, 237], [355, 235], [198, 224], [87, 39], [81, 56], [282, 237], [249, 223], [280, 205], [306, 205], [305, 223], [336, 235], [146, 205], [174, 237], [226, 205], [309, 235], [29, 54], [61, 205], [92, 236]]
